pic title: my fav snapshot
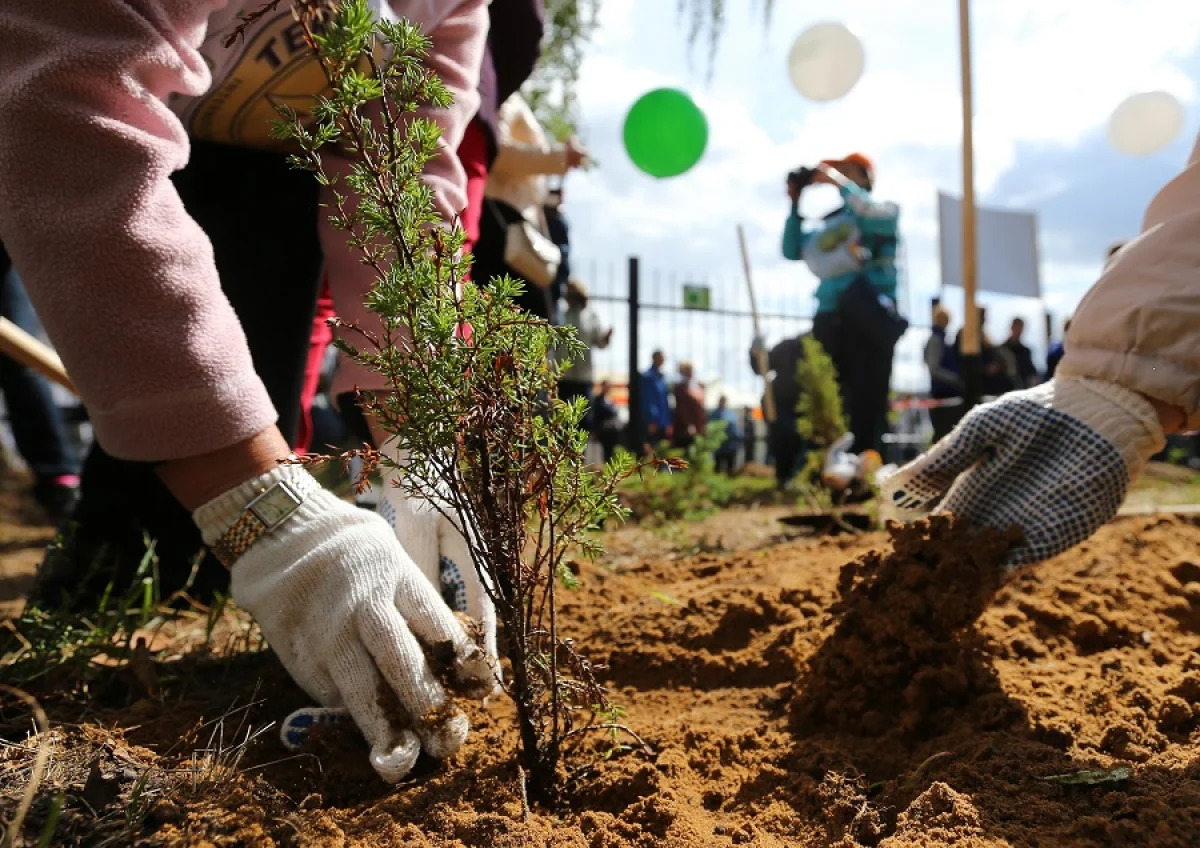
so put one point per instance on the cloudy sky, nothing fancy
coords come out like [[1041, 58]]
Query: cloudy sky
[[1047, 77]]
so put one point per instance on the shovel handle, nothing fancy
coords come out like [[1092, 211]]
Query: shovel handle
[[31, 352]]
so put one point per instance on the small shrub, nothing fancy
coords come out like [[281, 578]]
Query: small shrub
[[487, 442], [695, 489], [819, 416]]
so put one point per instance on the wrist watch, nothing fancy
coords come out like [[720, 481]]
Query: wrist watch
[[270, 508]]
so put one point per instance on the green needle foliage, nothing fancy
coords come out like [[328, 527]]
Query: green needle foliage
[[487, 442], [819, 416]]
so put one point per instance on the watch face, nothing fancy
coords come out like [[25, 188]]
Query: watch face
[[275, 504]]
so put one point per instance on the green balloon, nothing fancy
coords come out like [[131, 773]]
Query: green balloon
[[665, 133]]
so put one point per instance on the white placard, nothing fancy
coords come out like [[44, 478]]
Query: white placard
[[1006, 252]]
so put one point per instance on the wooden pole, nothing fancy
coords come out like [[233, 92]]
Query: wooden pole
[[760, 354], [1037, 266], [971, 329], [741, 234], [32, 353]]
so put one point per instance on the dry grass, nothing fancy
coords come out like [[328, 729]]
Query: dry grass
[[85, 784], [37, 766], [1165, 485]]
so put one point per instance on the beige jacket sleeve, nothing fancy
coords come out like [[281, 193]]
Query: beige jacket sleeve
[[1139, 325], [523, 149]]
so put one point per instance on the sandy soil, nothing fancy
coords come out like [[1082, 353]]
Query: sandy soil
[[810, 692], [24, 534]]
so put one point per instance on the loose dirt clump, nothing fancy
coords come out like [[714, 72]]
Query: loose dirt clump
[[899, 657], [887, 690], [939, 816]]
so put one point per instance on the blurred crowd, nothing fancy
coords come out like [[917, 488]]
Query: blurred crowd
[[1007, 366], [676, 415]]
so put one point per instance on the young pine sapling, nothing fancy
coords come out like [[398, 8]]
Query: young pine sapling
[[473, 406], [819, 416]]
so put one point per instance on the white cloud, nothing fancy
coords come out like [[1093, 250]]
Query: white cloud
[[1046, 74]]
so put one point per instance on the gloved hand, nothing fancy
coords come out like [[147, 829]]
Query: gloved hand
[[439, 549], [1055, 460], [841, 467], [344, 606]]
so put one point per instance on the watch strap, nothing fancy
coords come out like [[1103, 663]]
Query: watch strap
[[287, 487], [234, 541]]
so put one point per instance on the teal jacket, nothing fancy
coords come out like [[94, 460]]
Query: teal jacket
[[863, 233]]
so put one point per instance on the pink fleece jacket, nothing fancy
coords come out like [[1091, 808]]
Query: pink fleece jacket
[[97, 99]]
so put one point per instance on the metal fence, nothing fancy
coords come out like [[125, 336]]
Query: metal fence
[[716, 337], [704, 318]]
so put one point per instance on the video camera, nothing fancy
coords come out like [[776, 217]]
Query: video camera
[[801, 177]]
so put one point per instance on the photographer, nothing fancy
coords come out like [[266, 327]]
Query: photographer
[[852, 251]]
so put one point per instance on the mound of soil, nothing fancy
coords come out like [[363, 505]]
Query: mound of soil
[[860, 691], [900, 655]]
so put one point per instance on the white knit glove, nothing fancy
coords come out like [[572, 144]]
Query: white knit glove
[[439, 549], [841, 467], [1055, 460], [344, 606]]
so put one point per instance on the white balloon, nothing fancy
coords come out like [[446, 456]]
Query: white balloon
[[1145, 123], [826, 61]]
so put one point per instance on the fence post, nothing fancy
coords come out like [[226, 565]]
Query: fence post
[[635, 434]]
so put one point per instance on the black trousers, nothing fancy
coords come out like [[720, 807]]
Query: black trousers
[[609, 440], [787, 449], [261, 216], [864, 379], [38, 426], [943, 419]]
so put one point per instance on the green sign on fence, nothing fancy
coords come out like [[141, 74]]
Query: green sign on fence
[[697, 297]]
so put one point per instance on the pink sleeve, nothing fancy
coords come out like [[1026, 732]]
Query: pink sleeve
[[121, 276], [458, 47]]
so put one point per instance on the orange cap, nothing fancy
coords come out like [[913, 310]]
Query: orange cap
[[854, 159]]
